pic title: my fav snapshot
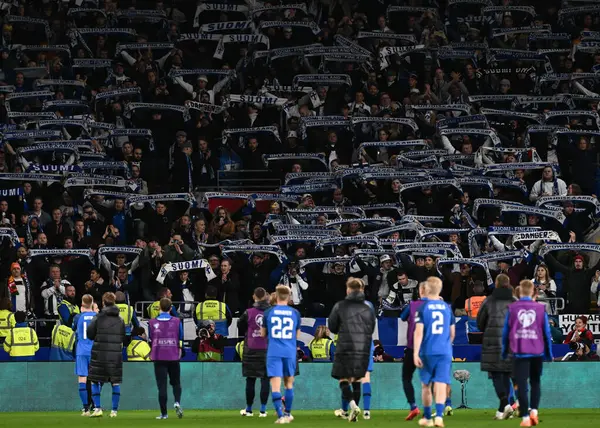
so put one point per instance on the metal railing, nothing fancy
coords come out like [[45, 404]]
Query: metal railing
[[141, 309], [556, 303]]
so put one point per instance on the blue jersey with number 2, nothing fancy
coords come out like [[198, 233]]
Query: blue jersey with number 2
[[436, 317], [84, 345], [282, 323]]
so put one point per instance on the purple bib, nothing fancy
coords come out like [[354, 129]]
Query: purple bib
[[526, 327], [410, 334], [255, 323], [165, 339]]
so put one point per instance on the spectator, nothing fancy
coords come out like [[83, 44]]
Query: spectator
[[576, 280], [580, 333], [228, 287], [546, 287], [53, 292], [549, 185]]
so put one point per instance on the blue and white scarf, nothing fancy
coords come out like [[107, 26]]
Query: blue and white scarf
[[568, 247], [311, 25], [401, 51], [549, 200], [152, 199], [169, 267], [424, 247]]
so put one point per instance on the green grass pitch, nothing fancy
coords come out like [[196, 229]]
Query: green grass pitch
[[576, 418]]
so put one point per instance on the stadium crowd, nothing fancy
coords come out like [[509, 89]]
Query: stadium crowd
[[411, 139]]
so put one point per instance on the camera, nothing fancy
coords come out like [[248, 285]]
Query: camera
[[575, 346], [203, 333]]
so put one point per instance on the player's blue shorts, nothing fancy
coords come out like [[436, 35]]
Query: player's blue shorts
[[371, 361], [82, 364], [281, 366], [436, 368]]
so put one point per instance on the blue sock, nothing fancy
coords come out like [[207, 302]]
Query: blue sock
[[345, 405], [83, 396], [366, 391], [289, 400], [439, 410], [96, 389], [263, 408], [449, 401], [427, 412], [413, 406], [276, 396], [512, 395], [116, 396]]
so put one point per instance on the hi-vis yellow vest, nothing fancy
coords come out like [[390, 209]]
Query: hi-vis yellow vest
[[63, 338], [320, 349], [126, 313], [138, 350], [7, 322], [72, 310], [154, 309], [239, 348], [211, 310], [21, 342]]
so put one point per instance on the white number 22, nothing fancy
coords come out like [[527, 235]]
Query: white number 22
[[282, 328], [437, 327]]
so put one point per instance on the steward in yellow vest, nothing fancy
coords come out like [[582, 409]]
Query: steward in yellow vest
[[138, 349], [67, 310], [239, 350], [7, 318], [126, 312], [213, 310], [63, 343], [321, 349], [154, 308], [21, 343]]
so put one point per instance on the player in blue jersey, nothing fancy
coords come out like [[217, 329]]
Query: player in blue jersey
[[83, 351], [281, 327], [434, 334]]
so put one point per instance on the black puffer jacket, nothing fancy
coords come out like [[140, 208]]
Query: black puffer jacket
[[490, 320], [353, 320], [107, 330]]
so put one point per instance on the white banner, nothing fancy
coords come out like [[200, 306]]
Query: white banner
[[567, 323]]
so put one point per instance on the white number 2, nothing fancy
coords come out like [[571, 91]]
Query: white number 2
[[437, 327], [84, 330], [282, 328]]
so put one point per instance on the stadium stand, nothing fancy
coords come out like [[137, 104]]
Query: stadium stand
[[151, 144]]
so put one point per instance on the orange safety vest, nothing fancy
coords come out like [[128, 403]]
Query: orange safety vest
[[473, 304]]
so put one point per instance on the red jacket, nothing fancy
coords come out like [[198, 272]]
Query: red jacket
[[586, 337]]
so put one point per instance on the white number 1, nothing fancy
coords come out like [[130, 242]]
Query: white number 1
[[437, 327], [84, 330]]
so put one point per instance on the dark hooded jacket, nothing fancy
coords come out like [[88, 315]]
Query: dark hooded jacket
[[490, 320], [107, 330], [353, 320]]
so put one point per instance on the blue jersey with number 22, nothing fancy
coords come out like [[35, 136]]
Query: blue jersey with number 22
[[282, 323], [84, 345], [436, 317]]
